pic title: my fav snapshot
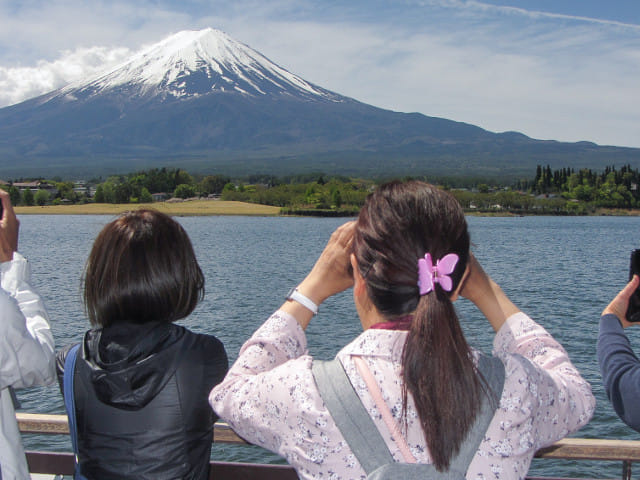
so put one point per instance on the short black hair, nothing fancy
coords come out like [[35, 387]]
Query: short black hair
[[142, 268]]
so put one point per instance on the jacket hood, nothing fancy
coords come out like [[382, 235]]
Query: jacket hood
[[130, 363]]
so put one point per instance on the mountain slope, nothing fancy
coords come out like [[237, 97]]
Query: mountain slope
[[202, 101]]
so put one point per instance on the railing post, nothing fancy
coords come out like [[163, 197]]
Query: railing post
[[626, 470]]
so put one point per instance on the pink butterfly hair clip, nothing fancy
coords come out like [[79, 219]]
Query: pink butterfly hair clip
[[429, 274]]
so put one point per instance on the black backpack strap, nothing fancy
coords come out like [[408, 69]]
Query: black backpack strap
[[350, 416], [363, 436]]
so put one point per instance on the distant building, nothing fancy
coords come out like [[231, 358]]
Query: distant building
[[160, 196], [35, 186], [22, 186], [82, 188]]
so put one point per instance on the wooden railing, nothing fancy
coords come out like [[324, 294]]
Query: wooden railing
[[624, 451]]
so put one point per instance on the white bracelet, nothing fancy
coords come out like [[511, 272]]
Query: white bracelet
[[303, 300]]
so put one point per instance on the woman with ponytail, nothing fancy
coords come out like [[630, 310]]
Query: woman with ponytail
[[407, 258]]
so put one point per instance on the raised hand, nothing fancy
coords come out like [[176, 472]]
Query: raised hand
[[9, 226], [619, 305], [331, 273], [486, 295]]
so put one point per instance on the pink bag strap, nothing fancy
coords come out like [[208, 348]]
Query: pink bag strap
[[389, 421]]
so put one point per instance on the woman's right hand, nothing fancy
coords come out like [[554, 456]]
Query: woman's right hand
[[486, 294]]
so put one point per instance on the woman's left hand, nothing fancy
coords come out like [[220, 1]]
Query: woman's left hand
[[331, 274]]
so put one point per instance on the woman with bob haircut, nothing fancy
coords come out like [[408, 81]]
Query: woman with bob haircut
[[141, 381], [407, 258]]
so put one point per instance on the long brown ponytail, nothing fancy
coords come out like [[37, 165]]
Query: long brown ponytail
[[400, 223]]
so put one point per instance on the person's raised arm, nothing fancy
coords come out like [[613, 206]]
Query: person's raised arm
[[619, 365], [543, 375], [273, 368], [330, 275], [487, 295], [26, 342]]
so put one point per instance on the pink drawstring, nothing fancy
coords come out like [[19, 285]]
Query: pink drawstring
[[392, 425]]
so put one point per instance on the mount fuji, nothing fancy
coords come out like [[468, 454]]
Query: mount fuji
[[199, 100], [194, 63]]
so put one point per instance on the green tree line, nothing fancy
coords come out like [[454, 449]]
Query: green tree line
[[137, 187], [561, 191], [613, 188]]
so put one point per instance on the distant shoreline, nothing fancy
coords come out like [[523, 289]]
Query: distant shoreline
[[599, 212], [222, 207], [187, 208]]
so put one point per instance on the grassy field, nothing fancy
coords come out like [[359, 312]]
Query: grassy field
[[188, 208], [219, 207]]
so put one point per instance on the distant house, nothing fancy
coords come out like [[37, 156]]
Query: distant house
[[22, 186], [35, 186], [2, 182], [82, 188], [160, 196]]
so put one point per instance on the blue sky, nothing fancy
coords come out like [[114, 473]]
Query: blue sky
[[553, 69]]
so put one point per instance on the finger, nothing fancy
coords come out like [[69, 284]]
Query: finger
[[6, 201], [631, 287], [344, 233], [347, 228], [7, 207]]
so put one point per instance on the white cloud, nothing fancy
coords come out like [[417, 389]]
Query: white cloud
[[478, 6], [21, 83]]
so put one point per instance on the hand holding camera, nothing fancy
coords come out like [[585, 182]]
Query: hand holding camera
[[626, 305]]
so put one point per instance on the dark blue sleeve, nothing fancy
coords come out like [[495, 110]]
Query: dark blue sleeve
[[620, 369]]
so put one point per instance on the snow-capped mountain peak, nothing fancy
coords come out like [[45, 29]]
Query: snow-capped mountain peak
[[191, 63]]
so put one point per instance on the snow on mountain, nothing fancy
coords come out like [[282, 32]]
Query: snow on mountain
[[192, 63]]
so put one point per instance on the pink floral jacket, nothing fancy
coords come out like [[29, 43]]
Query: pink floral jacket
[[269, 397]]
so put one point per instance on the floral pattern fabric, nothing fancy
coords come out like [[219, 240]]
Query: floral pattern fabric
[[269, 397]]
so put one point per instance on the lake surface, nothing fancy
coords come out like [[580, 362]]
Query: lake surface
[[562, 271]]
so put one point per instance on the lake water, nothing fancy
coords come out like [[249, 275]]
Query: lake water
[[562, 271]]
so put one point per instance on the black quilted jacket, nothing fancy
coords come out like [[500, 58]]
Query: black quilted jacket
[[141, 401]]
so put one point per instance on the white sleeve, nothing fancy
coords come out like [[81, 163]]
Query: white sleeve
[[26, 343]]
